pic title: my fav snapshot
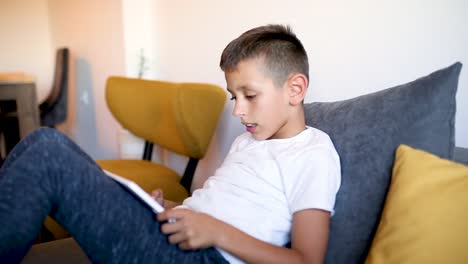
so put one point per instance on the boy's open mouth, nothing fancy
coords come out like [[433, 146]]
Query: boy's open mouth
[[250, 127]]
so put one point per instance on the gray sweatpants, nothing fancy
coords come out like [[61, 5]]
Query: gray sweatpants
[[47, 174]]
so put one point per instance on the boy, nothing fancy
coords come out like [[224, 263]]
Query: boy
[[277, 184]]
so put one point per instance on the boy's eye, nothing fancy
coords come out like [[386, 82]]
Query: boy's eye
[[232, 98], [250, 97]]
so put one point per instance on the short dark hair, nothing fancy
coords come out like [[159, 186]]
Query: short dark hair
[[277, 45]]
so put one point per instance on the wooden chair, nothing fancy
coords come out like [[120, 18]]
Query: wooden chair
[[53, 110]]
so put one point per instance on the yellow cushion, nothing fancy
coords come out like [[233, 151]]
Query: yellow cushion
[[149, 176], [425, 217]]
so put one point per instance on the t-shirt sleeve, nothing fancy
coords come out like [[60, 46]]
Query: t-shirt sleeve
[[313, 180]]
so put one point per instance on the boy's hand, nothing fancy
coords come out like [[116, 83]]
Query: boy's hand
[[191, 230], [158, 196]]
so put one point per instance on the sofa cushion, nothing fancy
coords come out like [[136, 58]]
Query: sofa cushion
[[425, 212], [366, 131]]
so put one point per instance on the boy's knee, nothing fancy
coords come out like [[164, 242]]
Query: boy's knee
[[45, 133]]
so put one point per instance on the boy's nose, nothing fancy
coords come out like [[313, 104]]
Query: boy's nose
[[238, 110]]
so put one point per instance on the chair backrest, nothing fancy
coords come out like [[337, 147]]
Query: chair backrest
[[54, 108], [180, 117]]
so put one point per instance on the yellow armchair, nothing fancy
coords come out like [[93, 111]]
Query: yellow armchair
[[179, 117]]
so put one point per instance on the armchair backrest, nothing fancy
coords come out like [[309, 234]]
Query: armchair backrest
[[180, 117]]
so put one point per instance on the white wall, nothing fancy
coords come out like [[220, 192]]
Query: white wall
[[93, 30], [355, 47], [139, 37], [25, 44]]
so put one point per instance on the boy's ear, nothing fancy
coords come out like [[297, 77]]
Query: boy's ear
[[297, 88]]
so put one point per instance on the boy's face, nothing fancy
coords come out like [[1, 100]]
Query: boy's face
[[264, 109]]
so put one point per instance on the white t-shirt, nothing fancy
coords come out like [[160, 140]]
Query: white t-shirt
[[261, 184]]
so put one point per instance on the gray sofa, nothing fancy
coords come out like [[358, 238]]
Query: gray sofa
[[366, 131]]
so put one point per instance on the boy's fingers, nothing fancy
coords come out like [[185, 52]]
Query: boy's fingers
[[161, 216], [172, 214], [170, 228], [177, 238], [185, 246], [157, 193], [176, 213]]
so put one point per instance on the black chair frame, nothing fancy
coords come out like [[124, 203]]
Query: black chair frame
[[187, 177]]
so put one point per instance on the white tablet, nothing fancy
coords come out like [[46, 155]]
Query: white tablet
[[137, 190]]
